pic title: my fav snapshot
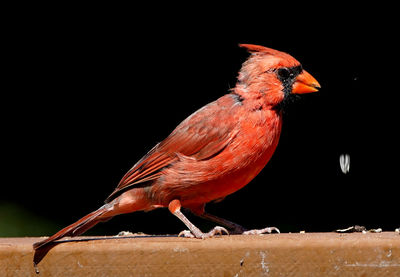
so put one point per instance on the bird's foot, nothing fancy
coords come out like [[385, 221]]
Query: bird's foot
[[261, 231], [217, 230]]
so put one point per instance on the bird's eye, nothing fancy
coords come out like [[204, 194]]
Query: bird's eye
[[284, 73]]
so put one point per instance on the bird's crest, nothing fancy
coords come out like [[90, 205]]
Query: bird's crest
[[258, 49]]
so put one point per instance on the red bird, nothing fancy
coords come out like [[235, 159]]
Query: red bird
[[212, 153]]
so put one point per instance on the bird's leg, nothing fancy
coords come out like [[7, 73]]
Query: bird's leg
[[199, 211], [175, 208], [234, 228]]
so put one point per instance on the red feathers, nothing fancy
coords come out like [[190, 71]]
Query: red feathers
[[211, 154]]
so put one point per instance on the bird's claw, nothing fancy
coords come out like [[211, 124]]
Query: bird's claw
[[217, 230], [261, 231]]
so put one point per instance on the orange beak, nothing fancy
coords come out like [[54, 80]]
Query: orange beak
[[305, 83]]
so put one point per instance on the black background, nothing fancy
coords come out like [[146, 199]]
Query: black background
[[88, 91]]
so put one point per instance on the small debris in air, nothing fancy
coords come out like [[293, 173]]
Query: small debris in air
[[344, 161]]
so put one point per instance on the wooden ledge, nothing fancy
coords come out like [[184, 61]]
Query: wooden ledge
[[310, 254]]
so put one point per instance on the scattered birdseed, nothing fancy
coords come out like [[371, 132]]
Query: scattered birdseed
[[124, 233], [379, 230], [352, 229], [357, 228]]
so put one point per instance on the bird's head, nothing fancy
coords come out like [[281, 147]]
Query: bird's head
[[273, 75]]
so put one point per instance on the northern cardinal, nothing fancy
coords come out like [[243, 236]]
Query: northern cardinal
[[214, 152]]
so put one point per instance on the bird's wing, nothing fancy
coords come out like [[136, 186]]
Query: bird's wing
[[201, 136]]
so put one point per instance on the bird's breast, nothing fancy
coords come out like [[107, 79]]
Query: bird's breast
[[242, 160]]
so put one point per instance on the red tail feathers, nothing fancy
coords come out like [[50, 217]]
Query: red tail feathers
[[82, 225]]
